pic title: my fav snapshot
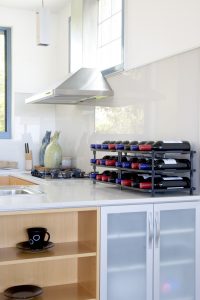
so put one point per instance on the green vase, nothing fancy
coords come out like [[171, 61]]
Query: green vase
[[53, 153]]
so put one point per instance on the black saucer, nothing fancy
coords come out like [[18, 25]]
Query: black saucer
[[26, 247], [25, 291]]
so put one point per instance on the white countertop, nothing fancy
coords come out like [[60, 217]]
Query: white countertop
[[61, 193]]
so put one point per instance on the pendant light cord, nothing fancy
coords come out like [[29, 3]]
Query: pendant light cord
[[43, 3]]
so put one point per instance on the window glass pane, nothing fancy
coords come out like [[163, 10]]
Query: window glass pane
[[110, 34], [110, 55], [116, 26], [116, 6], [106, 31], [104, 57], [104, 10], [2, 82], [115, 53]]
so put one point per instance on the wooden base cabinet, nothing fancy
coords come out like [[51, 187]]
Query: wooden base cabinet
[[69, 270], [150, 252]]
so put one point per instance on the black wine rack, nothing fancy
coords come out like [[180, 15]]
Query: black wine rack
[[177, 154]]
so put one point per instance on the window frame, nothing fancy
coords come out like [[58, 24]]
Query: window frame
[[8, 86], [119, 67]]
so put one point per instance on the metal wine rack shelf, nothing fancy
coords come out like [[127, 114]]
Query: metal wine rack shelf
[[152, 155]]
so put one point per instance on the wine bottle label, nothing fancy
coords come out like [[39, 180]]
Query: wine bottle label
[[172, 178], [175, 187], [145, 176], [175, 142], [169, 161]]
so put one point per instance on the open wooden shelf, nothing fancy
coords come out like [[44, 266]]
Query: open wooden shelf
[[12, 255], [63, 292], [69, 270]]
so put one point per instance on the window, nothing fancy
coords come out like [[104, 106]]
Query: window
[[110, 36], [5, 83], [120, 120]]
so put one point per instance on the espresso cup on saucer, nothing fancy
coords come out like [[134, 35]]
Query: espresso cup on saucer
[[37, 237]]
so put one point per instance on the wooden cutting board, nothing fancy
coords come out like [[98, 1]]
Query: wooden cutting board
[[4, 164]]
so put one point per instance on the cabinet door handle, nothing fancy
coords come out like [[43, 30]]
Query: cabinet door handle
[[157, 224], [150, 220]]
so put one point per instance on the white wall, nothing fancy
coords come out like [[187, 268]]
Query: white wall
[[167, 92], [29, 124], [157, 29], [33, 68]]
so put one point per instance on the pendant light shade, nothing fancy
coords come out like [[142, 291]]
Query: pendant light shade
[[43, 23]]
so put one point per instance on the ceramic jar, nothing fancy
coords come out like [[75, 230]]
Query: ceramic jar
[[53, 153]]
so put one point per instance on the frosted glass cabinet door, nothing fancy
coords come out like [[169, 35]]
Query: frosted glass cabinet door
[[126, 252], [176, 261]]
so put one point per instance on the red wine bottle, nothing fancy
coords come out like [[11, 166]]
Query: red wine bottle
[[142, 181], [137, 162], [147, 146], [171, 145]]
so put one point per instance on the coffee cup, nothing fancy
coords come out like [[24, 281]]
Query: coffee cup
[[37, 237]]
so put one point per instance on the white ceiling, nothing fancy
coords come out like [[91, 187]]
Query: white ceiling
[[52, 5]]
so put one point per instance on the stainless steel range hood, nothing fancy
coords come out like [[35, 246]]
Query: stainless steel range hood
[[85, 84]]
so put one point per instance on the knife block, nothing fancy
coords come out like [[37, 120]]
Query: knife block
[[28, 161]]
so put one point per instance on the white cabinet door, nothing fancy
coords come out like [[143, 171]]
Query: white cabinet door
[[176, 251], [126, 252]]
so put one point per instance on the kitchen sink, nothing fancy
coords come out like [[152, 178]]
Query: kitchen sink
[[18, 191]]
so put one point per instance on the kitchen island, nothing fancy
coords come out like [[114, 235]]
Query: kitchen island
[[144, 242]]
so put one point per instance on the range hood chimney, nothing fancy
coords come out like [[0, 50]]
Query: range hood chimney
[[86, 83]]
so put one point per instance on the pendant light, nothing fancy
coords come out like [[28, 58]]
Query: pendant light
[[43, 24]]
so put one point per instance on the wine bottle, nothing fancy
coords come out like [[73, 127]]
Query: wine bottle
[[111, 145], [135, 147], [103, 160], [104, 145], [169, 163], [135, 164], [118, 164], [145, 164], [119, 145], [161, 182], [127, 144], [142, 181], [171, 145], [147, 146], [169, 182]]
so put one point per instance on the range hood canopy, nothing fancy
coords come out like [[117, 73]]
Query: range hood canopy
[[85, 84]]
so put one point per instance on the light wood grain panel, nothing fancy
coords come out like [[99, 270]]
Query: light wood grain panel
[[87, 227], [12, 180], [87, 274], [46, 273], [19, 181], [63, 292], [61, 226], [59, 251], [4, 180]]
